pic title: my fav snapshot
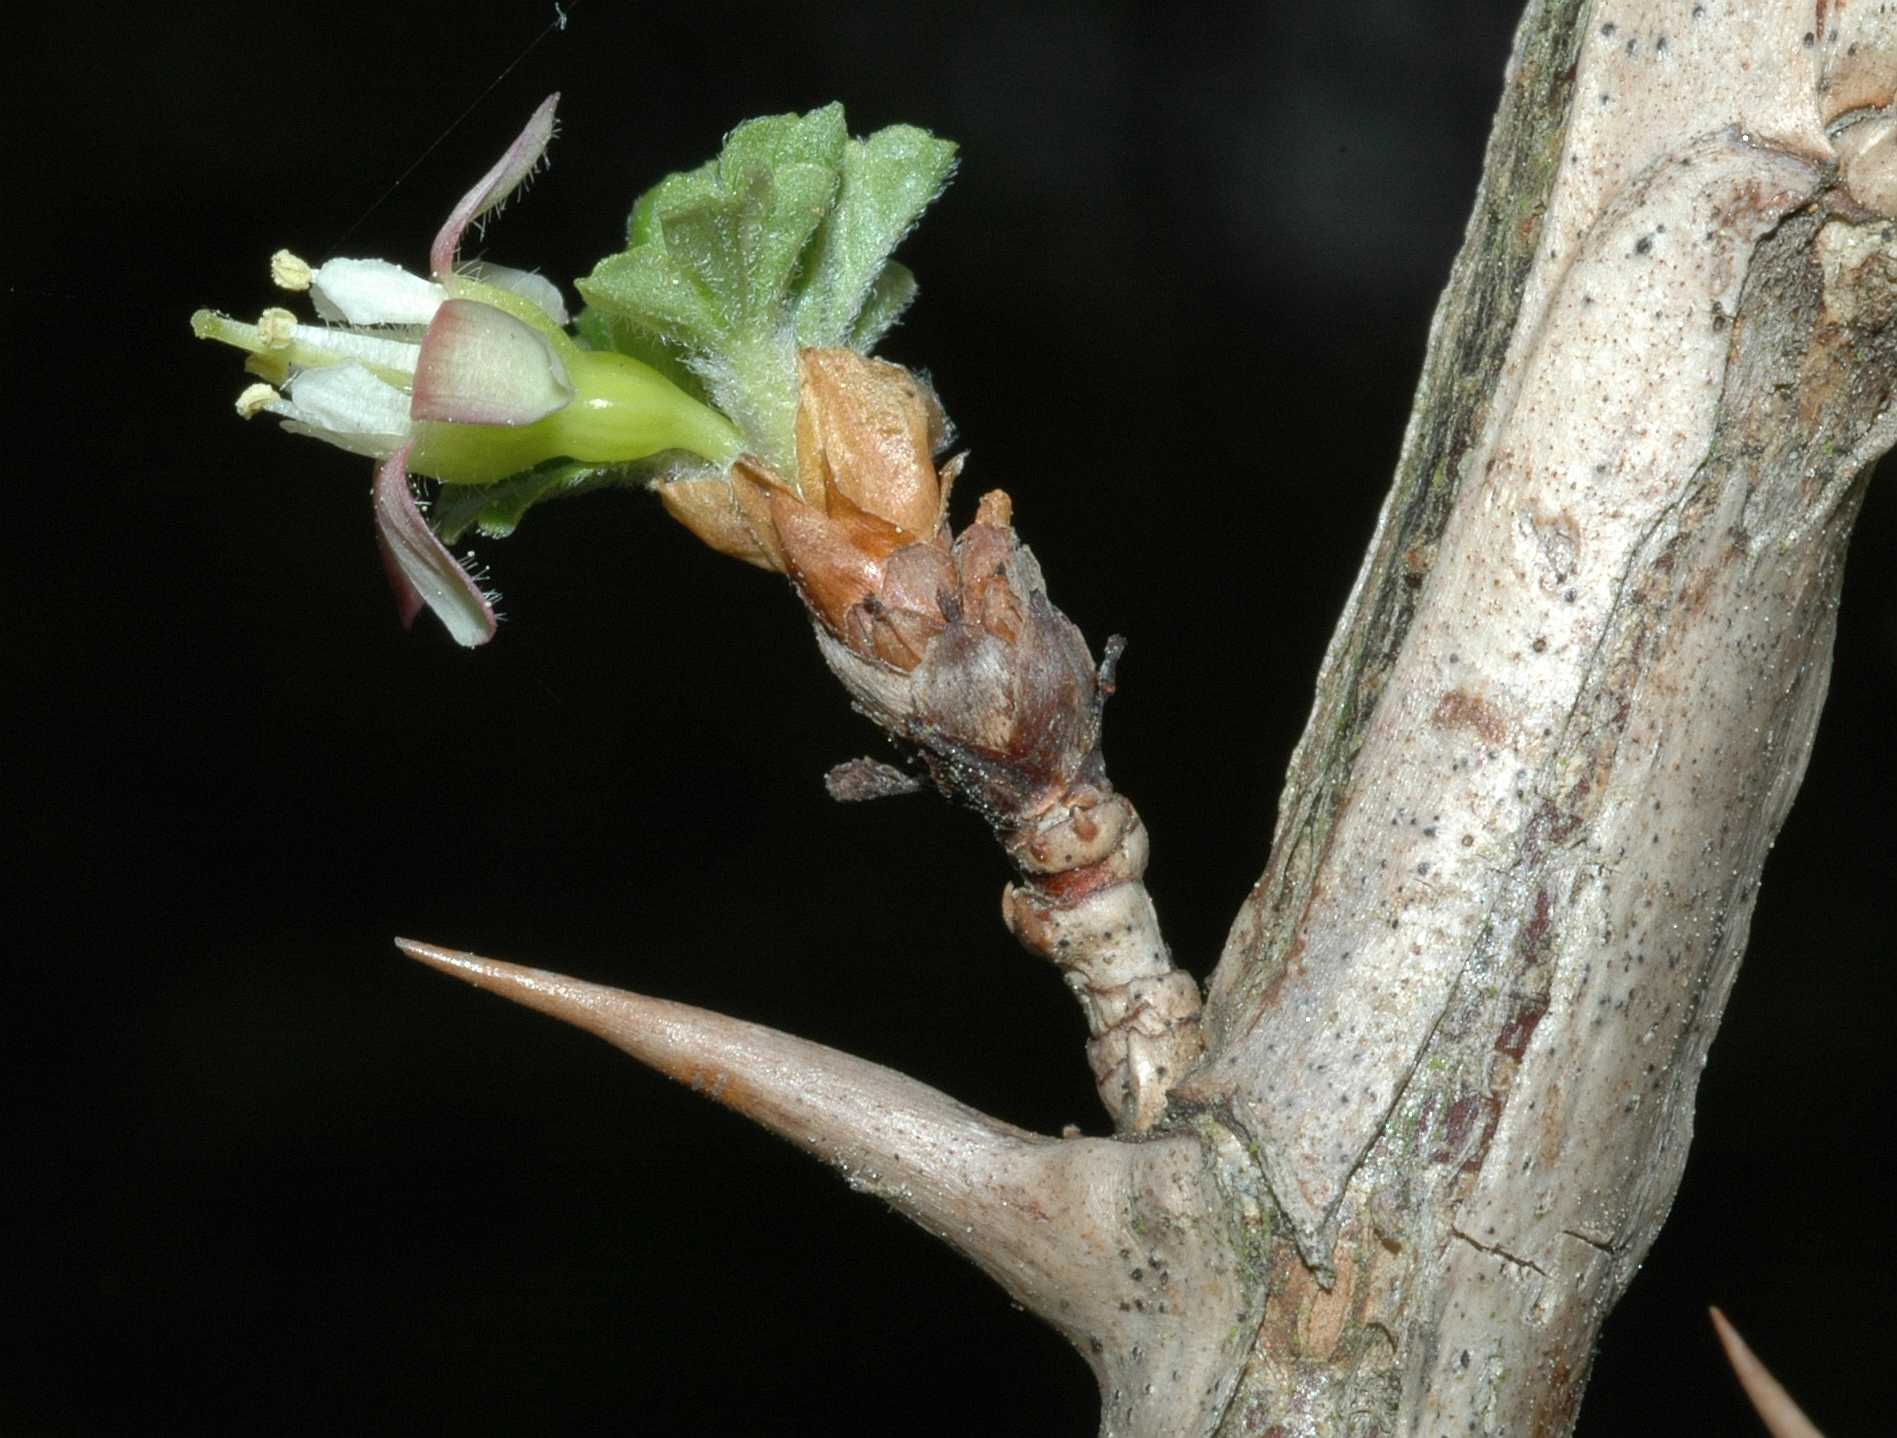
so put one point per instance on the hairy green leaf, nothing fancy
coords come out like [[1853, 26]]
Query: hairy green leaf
[[889, 179], [495, 509], [889, 296], [782, 241]]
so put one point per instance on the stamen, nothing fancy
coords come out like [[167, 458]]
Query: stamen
[[255, 398], [276, 327], [290, 272]]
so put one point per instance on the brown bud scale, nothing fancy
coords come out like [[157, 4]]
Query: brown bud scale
[[950, 643]]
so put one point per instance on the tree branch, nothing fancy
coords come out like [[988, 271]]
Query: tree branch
[[1453, 1042], [1566, 710]]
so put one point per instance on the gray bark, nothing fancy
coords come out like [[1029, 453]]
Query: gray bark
[[1465, 1011], [1452, 1046]]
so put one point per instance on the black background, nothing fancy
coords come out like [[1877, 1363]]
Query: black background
[[263, 1176]]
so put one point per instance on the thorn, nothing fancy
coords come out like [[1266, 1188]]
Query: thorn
[[1779, 1413], [845, 1109], [1117, 1245]]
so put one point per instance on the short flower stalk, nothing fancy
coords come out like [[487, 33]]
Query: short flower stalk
[[949, 642]]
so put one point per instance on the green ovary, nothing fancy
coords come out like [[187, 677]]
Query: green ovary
[[621, 411]]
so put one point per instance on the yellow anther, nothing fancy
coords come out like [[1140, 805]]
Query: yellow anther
[[275, 327], [255, 398], [290, 272]]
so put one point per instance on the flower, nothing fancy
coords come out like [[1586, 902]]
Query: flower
[[466, 376]]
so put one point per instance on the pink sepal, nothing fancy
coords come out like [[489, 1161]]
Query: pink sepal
[[480, 365], [496, 185], [421, 570]]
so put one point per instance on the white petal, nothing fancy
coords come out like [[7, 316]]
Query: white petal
[[480, 365], [348, 407], [373, 292], [536, 289], [316, 345]]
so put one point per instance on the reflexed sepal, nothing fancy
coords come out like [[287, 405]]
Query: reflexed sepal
[[421, 570]]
